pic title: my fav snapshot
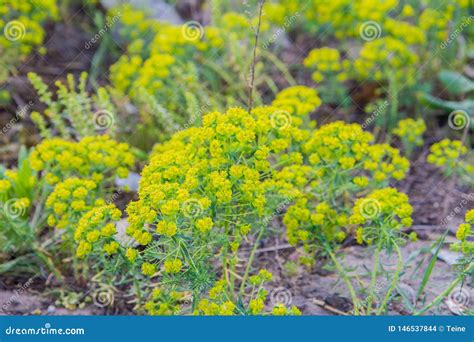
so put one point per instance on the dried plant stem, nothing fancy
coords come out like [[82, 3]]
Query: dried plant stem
[[254, 61]]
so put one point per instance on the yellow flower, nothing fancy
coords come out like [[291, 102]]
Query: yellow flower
[[5, 185], [131, 254], [148, 269], [256, 306], [410, 132], [204, 224], [470, 216], [111, 248], [173, 265], [167, 228]]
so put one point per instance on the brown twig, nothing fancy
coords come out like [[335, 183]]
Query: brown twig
[[329, 307], [274, 248], [254, 61]]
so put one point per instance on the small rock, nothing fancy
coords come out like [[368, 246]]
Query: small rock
[[121, 234], [451, 258], [156, 9], [131, 182]]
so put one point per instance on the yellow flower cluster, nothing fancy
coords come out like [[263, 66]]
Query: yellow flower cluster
[[327, 63], [386, 58], [163, 302], [340, 160], [405, 32], [463, 234], [20, 24], [348, 147], [149, 65], [196, 186], [410, 132], [130, 74], [386, 207], [446, 153], [376, 10], [220, 304], [168, 70], [299, 101], [96, 228], [210, 308], [25, 183], [436, 22], [95, 157], [69, 200], [182, 40], [135, 23], [333, 14], [303, 225], [173, 265], [341, 18], [5, 185]]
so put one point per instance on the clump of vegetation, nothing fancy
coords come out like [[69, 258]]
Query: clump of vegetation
[[234, 153]]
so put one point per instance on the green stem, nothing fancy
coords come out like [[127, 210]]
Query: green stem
[[48, 262], [346, 279], [373, 278], [393, 89], [250, 261], [280, 66], [225, 260], [395, 279], [445, 293]]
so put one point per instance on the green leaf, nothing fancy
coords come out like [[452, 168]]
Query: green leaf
[[455, 83], [429, 270], [449, 106], [22, 154]]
